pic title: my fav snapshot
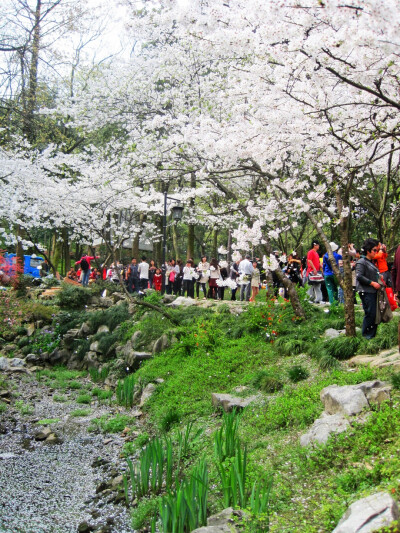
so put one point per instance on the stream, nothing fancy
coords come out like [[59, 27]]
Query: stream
[[50, 487]]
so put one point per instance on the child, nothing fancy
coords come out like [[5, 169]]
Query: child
[[157, 280]]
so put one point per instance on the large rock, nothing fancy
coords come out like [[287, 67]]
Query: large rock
[[182, 301], [147, 393], [345, 400], [103, 329], [168, 298], [351, 400], [70, 337], [135, 358], [331, 333], [94, 347], [16, 362], [59, 357], [223, 522], [323, 427], [118, 297], [161, 344], [229, 402], [135, 338], [369, 514], [91, 360], [4, 363], [105, 302], [84, 330]]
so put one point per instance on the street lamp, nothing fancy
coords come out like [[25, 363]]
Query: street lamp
[[177, 212]]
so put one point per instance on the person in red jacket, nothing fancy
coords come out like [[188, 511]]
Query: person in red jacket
[[84, 263], [380, 261], [157, 280]]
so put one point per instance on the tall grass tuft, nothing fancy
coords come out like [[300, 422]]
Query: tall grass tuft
[[125, 391], [185, 509], [98, 376], [226, 438], [153, 468]]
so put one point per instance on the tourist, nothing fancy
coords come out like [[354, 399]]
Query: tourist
[[329, 276], [293, 270], [202, 269], [188, 281], [223, 272], [132, 276], [381, 263], [177, 286], [214, 276], [255, 282], [245, 271], [84, 264], [367, 277], [170, 274], [152, 271], [314, 274], [157, 280], [143, 270], [234, 275]]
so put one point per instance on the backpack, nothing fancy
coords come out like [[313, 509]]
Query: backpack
[[84, 264]]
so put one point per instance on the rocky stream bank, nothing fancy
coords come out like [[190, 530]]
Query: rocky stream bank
[[55, 476]]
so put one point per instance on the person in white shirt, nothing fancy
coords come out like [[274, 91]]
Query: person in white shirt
[[188, 281], [245, 271], [143, 270]]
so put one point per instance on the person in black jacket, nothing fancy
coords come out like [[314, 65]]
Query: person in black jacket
[[367, 276]]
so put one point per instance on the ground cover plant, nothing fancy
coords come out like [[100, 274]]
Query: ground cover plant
[[207, 358]]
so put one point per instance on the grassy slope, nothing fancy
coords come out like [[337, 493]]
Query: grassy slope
[[217, 352]]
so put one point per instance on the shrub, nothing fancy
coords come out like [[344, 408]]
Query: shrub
[[97, 375], [290, 346], [298, 373], [84, 398], [3, 407], [171, 418], [395, 380], [264, 381], [111, 425], [72, 296], [111, 317], [327, 362], [342, 347]]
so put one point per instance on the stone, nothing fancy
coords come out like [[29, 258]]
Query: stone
[[229, 402], [94, 347], [135, 337], [84, 527], [8, 348], [323, 427], [17, 363], [223, 522], [105, 302], [52, 439], [346, 400], [168, 298], [84, 330], [135, 357], [70, 337], [117, 482], [59, 357], [369, 514], [117, 297], [34, 358], [7, 455], [182, 301], [147, 393], [42, 434], [4, 363], [90, 360], [103, 329], [161, 344], [30, 329], [331, 333]]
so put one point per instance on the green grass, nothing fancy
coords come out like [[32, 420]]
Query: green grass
[[48, 421], [80, 412], [84, 398], [3, 407], [115, 424]]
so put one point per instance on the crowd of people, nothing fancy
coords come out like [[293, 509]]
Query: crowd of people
[[211, 278]]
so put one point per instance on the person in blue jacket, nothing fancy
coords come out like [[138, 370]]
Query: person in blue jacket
[[329, 276]]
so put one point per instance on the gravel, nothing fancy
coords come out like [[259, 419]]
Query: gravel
[[49, 488]]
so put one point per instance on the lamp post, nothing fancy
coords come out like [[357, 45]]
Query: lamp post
[[177, 212]]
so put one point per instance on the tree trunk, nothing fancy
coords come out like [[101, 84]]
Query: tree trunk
[[214, 246], [175, 242], [190, 242], [135, 246], [30, 104], [67, 257]]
